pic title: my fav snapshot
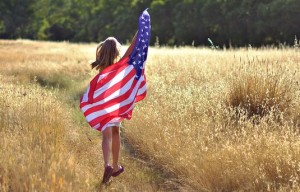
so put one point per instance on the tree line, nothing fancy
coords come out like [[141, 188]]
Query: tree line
[[174, 22]]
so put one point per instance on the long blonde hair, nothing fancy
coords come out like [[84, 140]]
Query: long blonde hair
[[107, 53]]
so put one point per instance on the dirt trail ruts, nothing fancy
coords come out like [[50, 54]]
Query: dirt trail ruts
[[169, 181]]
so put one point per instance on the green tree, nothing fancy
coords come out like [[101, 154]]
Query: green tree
[[15, 17], [174, 22], [214, 22], [162, 14], [281, 20], [189, 27]]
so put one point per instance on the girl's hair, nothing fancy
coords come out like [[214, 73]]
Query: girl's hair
[[106, 53]]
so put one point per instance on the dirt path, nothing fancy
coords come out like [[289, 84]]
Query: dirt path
[[167, 181], [141, 173]]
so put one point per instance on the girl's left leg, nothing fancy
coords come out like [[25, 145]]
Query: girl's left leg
[[106, 143], [106, 146], [116, 142]]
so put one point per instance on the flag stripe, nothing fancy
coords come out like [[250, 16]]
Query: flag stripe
[[92, 89], [97, 100], [128, 97], [110, 76], [122, 93], [108, 121], [112, 87], [115, 66], [118, 109]]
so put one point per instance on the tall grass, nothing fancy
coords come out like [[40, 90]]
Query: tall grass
[[212, 121], [46, 144], [32, 132], [261, 87], [186, 123]]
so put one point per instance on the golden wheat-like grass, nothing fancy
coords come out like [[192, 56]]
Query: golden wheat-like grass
[[186, 123], [32, 131], [46, 144], [212, 120]]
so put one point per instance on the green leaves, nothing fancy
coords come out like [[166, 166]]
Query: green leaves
[[174, 22]]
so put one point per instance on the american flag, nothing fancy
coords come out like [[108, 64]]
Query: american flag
[[111, 95]]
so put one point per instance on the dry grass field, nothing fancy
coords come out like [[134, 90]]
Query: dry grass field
[[213, 120]]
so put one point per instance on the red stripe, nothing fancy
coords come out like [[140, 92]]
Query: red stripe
[[112, 90], [143, 95], [111, 102], [118, 99], [142, 84], [107, 120], [115, 66], [93, 85], [140, 97], [115, 87], [123, 110], [110, 76], [126, 115], [111, 115]]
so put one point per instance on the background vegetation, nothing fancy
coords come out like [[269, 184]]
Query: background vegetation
[[174, 22]]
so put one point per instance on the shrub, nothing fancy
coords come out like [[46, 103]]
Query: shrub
[[258, 88]]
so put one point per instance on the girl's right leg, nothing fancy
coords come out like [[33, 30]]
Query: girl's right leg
[[117, 169]]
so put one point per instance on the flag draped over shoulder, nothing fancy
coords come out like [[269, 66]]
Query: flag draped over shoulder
[[111, 95]]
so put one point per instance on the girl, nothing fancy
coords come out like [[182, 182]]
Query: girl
[[107, 53], [112, 93]]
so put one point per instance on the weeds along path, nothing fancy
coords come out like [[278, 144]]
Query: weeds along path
[[46, 145]]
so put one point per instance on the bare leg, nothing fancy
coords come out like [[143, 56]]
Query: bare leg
[[106, 143], [115, 147]]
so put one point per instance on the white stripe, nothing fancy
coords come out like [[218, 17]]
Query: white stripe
[[113, 81], [142, 90], [116, 94], [114, 120], [97, 126], [104, 75], [86, 94], [102, 112], [121, 91], [110, 109], [130, 108]]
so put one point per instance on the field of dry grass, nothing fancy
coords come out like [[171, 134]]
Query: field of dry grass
[[213, 120]]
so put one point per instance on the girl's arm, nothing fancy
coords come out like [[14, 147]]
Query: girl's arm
[[130, 48]]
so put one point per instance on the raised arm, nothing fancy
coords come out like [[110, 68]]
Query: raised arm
[[130, 48]]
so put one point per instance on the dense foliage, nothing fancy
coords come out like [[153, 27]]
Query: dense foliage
[[174, 22]]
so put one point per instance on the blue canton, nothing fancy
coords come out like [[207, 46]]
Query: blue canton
[[139, 53]]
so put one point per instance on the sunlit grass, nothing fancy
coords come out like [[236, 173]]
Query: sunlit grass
[[212, 121], [187, 125], [261, 87], [46, 145], [32, 136]]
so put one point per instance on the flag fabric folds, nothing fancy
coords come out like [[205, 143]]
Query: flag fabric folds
[[111, 95]]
